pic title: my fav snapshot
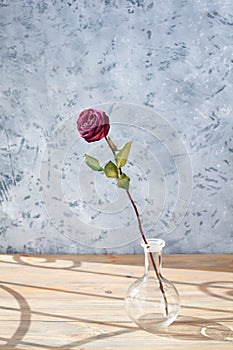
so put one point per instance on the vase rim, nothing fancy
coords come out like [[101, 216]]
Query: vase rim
[[154, 244]]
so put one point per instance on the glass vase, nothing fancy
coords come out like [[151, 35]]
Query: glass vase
[[152, 302]]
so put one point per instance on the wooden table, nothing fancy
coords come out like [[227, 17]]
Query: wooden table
[[77, 302]]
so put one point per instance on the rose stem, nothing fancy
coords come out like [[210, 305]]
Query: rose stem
[[143, 236]]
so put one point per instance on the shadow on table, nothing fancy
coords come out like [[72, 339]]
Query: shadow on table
[[47, 262], [25, 317], [197, 328], [184, 328], [202, 262], [218, 289], [75, 262]]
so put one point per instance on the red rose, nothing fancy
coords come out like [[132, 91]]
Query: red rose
[[93, 124]]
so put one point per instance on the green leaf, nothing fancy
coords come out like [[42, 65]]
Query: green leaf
[[111, 170], [112, 144], [93, 163], [122, 156], [123, 181]]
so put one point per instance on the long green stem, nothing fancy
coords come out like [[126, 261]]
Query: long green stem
[[143, 236]]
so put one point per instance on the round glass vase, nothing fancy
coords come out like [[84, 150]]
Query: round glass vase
[[152, 302]]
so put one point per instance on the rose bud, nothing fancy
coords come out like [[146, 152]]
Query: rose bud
[[93, 125]]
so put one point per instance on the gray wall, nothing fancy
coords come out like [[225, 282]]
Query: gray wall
[[171, 58]]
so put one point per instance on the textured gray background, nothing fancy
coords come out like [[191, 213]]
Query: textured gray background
[[59, 57]]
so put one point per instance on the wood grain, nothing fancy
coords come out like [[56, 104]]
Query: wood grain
[[77, 302]]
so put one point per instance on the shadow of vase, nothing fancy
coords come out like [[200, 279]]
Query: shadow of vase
[[196, 329]]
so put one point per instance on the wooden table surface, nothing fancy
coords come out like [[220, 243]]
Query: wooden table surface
[[77, 302]]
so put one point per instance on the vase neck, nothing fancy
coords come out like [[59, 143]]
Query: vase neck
[[153, 255]]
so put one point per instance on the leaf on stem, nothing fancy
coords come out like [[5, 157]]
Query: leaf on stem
[[112, 144], [123, 181], [93, 163], [122, 156], [111, 170]]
